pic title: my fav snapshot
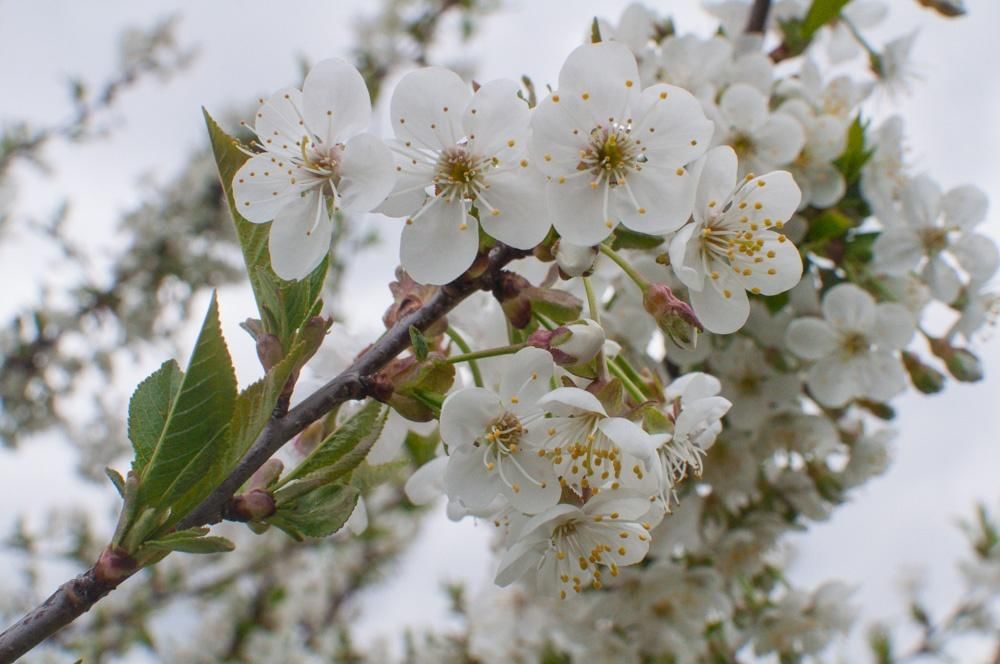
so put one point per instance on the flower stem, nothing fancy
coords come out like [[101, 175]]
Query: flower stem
[[488, 352], [544, 321], [631, 387], [630, 371], [453, 334], [595, 315], [639, 280]]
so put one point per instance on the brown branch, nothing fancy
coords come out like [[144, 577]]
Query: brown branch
[[758, 16], [75, 597]]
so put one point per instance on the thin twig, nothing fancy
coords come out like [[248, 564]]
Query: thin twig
[[75, 597], [758, 16]]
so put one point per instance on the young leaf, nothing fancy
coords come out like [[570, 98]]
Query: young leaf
[[348, 445], [148, 409], [419, 343], [191, 541], [820, 13], [116, 479], [318, 513], [194, 433]]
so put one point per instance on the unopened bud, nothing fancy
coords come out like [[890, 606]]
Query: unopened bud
[[575, 260], [964, 366], [269, 350], [675, 317], [310, 437], [925, 378], [266, 475], [408, 296], [114, 565], [511, 292], [573, 344], [255, 505]]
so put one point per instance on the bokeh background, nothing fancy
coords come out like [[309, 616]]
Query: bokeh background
[[898, 529]]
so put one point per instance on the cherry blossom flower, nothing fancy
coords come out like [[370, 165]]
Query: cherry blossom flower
[[571, 547], [732, 245], [490, 444], [615, 154], [462, 162], [853, 346], [316, 159], [763, 140]]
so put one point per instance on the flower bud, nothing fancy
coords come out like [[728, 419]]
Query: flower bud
[[964, 366], [674, 316], [925, 378], [266, 475], [575, 260], [570, 345], [511, 291]]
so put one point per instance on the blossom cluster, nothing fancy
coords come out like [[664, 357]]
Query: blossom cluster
[[757, 260]]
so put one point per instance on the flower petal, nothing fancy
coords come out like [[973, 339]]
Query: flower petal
[[574, 398], [466, 414], [335, 101], [897, 251], [833, 382], [519, 216], [367, 173], [441, 225], [779, 141], [496, 117], [605, 76], [716, 173], [717, 312], [278, 123], [965, 206], [300, 236], [526, 378], [262, 187], [849, 309], [671, 125], [657, 200], [577, 210], [894, 325], [743, 107], [427, 107], [811, 338]]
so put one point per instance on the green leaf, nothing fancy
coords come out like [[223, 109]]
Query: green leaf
[[859, 247], [318, 513], [776, 303], [195, 431], [283, 305], [855, 154], [366, 476], [419, 343], [116, 479], [251, 413], [595, 32], [191, 541], [348, 446], [629, 239], [829, 225], [820, 13], [148, 410]]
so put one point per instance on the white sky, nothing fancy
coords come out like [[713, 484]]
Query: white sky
[[947, 457]]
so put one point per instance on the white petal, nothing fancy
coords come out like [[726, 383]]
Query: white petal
[[685, 257], [527, 377], [922, 201], [671, 125], [827, 185], [897, 251], [357, 523], [443, 225], [942, 279], [606, 73], [894, 325], [717, 312], [833, 382], [262, 187], [496, 116], [811, 338], [278, 123], [882, 375], [965, 206], [577, 211], [427, 482], [427, 107], [780, 140], [780, 270], [744, 107], [519, 217], [335, 101], [778, 196], [367, 173], [466, 414], [560, 129], [629, 436], [300, 236], [518, 560], [466, 479], [849, 309], [661, 199], [538, 487], [977, 254], [573, 397], [716, 173]]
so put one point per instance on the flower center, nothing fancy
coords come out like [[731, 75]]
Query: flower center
[[742, 145], [459, 174], [934, 239], [854, 343], [504, 434], [611, 152]]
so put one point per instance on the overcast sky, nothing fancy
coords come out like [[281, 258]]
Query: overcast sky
[[947, 457]]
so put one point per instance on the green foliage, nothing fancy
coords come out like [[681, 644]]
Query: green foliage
[[319, 513], [148, 411], [629, 239], [829, 225], [855, 154], [193, 540], [820, 13], [347, 446], [418, 390], [194, 432], [419, 343], [284, 306]]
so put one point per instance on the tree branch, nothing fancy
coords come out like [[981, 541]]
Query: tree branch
[[758, 16], [75, 597]]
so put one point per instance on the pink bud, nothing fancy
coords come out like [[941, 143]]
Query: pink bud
[[674, 316]]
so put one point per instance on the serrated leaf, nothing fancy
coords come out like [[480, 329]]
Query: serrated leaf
[[195, 432], [283, 305], [319, 513], [348, 446], [148, 409], [188, 542], [820, 13], [251, 413], [366, 476]]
